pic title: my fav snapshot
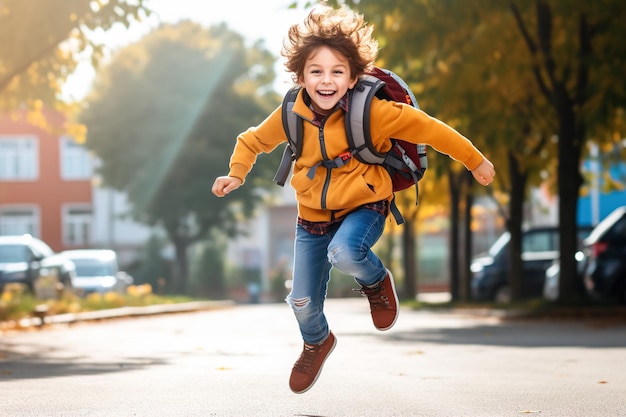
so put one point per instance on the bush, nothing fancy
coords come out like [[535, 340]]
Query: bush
[[16, 303]]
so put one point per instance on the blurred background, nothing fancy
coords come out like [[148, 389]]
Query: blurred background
[[116, 116]]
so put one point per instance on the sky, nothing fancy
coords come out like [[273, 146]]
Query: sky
[[266, 20]]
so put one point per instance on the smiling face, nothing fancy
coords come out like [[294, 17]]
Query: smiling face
[[326, 78]]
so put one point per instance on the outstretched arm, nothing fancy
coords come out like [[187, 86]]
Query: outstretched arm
[[484, 172], [224, 185]]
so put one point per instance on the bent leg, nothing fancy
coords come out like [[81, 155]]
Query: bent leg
[[350, 250]]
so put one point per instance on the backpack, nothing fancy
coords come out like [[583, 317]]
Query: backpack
[[406, 162]]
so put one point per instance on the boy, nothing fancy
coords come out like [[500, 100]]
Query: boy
[[341, 211]]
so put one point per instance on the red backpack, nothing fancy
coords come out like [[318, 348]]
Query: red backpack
[[406, 162]]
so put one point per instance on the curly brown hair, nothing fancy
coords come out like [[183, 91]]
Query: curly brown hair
[[342, 30]]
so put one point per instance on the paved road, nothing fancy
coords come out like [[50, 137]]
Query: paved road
[[236, 362]]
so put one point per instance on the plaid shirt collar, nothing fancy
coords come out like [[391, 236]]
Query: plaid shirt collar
[[319, 118]]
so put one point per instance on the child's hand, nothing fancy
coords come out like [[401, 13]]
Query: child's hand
[[224, 185], [484, 172]]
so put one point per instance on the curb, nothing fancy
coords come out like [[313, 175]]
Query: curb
[[69, 318]]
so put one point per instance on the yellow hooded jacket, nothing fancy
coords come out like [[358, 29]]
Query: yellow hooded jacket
[[333, 193]]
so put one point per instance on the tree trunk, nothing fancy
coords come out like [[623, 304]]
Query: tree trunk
[[466, 275], [178, 284], [409, 288], [455, 197], [569, 180], [181, 270], [514, 226], [572, 134]]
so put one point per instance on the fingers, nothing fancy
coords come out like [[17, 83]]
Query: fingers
[[485, 173], [219, 187], [224, 185], [486, 178], [483, 176]]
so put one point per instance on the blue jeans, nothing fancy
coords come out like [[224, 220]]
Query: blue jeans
[[347, 247]]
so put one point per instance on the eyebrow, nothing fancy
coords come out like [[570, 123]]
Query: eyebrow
[[332, 67]]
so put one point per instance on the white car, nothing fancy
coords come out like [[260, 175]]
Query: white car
[[97, 271]]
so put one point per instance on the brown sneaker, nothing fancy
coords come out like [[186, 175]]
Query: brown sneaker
[[309, 365], [383, 302]]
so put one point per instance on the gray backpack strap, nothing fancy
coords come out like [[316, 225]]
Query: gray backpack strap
[[358, 120], [293, 127]]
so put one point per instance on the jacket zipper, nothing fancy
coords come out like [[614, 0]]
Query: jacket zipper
[[325, 157]]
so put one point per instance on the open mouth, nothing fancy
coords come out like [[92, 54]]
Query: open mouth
[[326, 93]]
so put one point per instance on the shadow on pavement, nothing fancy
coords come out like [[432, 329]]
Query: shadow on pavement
[[42, 364], [518, 335]]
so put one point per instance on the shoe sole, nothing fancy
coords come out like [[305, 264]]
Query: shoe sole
[[395, 296], [319, 372]]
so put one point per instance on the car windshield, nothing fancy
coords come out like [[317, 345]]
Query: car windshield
[[540, 241], [13, 253], [536, 240], [92, 268]]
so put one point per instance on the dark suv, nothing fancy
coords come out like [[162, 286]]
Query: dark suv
[[605, 248], [27, 260], [490, 272]]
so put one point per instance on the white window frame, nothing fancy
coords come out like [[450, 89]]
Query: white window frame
[[75, 161], [77, 228], [32, 221], [22, 162]]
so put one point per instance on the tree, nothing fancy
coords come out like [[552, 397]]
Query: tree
[[41, 41], [163, 118], [578, 60]]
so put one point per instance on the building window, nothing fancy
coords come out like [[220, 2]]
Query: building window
[[18, 158], [19, 221], [76, 163], [77, 221]]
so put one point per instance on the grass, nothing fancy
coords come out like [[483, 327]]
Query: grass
[[16, 303]]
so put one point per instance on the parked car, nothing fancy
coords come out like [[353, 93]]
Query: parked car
[[30, 261], [490, 271], [605, 270], [97, 271]]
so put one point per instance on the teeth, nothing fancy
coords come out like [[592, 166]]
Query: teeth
[[327, 92]]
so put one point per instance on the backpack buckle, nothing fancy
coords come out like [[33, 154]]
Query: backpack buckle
[[345, 156]]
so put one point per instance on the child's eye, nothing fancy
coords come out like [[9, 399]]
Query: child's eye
[[338, 72], [315, 71]]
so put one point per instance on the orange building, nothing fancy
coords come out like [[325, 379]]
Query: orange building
[[45, 183]]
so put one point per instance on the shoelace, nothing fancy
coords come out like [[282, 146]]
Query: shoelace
[[308, 356], [376, 297]]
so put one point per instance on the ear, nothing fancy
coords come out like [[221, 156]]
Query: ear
[[353, 82]]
